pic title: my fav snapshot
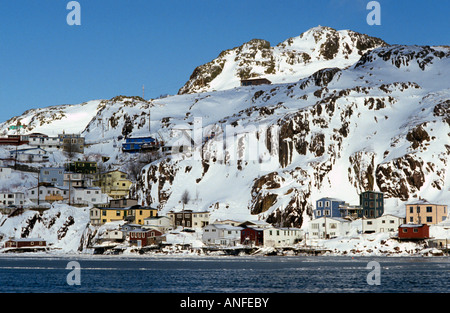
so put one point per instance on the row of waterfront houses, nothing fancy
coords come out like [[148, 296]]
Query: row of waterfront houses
[[333, 217], [147, 224]]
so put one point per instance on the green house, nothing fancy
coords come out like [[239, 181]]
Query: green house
[[83, 167], [371, 203]]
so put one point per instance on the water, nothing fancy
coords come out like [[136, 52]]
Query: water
[[247, 274]]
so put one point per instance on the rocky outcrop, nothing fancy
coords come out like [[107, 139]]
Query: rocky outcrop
[[257, 58]]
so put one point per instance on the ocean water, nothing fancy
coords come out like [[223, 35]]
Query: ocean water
[[246, 274]]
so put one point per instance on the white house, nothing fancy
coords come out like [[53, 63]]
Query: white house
[[88, 196], [328, 227], [182, 144], [279, 237], [48, 193], [160, 223], [12, 198], [112, 235], [200, 219], [77, 179], [43, 141], [30, 155], [221, 234], [384, 223]]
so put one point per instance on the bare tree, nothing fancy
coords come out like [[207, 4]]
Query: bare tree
[[69, 148], [185, 197]]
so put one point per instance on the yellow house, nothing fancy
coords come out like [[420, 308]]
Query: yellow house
[[114, 183], [137, 214], [134, 214], [424, 212]]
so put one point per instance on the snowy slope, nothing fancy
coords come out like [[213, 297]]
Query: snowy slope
[[71, 119]]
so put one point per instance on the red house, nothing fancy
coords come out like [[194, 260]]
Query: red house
[[26, 243], [252, 235], [144, 237], [414, 231]]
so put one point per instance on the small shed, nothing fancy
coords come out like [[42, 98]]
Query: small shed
[[26, 243], [414, 231], [255, 81]]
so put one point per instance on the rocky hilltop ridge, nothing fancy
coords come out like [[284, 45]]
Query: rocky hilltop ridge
[[288, 61]]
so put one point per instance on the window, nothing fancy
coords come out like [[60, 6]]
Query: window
[[415, 230], [429, 209], [429, 219], [320, 204], [418, 209], [327, 204], [411, 209]]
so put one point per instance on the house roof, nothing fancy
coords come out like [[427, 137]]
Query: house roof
[[255, 79], [339, 219], [331, 199], [26, 239], [225, 226], [412, 225], [422, 201]]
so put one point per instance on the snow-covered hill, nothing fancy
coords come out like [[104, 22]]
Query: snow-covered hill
[[379, 122], [295, 58]]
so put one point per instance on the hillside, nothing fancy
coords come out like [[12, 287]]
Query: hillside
[[372, 120]]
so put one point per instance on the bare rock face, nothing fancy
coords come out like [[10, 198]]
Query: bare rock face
[[401, 178], [403, 56], [262, 198]]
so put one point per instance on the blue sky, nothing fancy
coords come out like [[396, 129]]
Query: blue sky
[[124, 44]]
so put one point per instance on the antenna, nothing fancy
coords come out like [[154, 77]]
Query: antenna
[[143, 92]]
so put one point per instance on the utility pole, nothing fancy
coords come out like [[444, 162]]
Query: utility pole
[[38, 190]]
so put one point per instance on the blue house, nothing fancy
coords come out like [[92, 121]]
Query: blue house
[[139, 144], [328, 207], [52, 175]]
